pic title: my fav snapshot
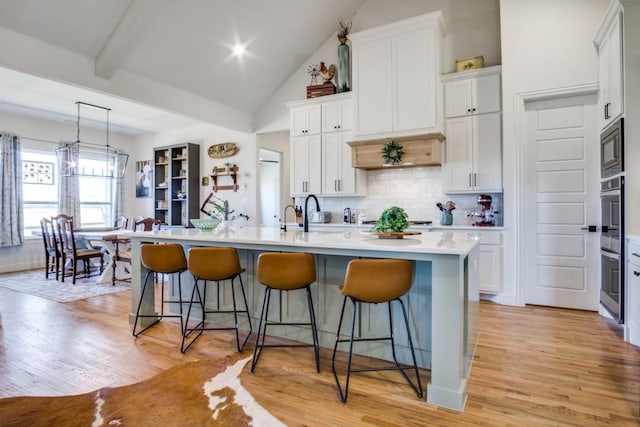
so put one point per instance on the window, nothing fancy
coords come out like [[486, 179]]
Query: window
[[40, 191], [96, 196]]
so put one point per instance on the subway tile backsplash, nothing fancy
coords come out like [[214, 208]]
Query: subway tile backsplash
[[416, 190]]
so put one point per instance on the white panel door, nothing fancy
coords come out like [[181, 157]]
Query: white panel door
[[561, 200]]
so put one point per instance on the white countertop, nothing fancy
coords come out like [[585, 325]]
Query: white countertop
[[433, 226], [446, 243]]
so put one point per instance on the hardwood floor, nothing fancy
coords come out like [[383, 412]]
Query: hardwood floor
[[533, 366]]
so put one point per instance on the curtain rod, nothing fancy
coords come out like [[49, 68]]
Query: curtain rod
[[66, 142], [40, 140]]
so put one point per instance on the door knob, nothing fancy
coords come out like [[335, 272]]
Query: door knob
[[591, 228]]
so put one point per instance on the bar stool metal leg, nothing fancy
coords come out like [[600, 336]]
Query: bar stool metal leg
[[163, 301], [343, 392], [138, 315], [284, 271], [201, 300], [314, 329], [264, 313]]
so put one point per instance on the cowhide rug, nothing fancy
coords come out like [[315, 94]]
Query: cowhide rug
[[202, 393]]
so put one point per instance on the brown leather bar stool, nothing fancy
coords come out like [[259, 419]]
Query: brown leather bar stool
[[375, 281], [285, 272], [214, 264], [166, 259]]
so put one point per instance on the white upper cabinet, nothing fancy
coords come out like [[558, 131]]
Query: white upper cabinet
[[473, 132], [337, 116], [476, 95], [305, 120], [321, 157], [608, 42], [306, 175], [395, 71], [339, 177]]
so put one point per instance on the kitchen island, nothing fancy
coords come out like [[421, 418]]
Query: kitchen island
[[443, 301]]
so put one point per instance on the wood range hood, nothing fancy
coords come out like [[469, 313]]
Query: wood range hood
[[419, 150]]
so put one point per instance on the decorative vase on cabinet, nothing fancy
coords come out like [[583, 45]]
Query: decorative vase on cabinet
[[344, 82], [344, 64]]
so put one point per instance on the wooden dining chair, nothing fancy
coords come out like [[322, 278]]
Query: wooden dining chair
[[121, 222], [51, 253], [134, 220], [58, 242], [147, 224], [70, 251]]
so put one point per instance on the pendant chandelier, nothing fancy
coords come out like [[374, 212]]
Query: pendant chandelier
[[88, 159]]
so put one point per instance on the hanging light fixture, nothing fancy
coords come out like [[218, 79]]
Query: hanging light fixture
[[99, 160]]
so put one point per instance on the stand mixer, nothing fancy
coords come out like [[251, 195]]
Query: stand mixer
[[483, 215]]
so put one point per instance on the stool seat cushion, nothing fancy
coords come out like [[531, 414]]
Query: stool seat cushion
[[377, 280], [286, 271], [163, 258], [214, 263]]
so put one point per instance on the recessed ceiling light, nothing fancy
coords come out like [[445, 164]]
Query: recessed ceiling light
[[238, 50]]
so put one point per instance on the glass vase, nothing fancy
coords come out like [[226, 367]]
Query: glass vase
[[344, 65]]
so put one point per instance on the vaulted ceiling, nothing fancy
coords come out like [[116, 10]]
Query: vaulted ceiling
[[182, 44]]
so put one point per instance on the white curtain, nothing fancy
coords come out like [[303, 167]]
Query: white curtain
[[11, 216], [117, 188], [69, 188]]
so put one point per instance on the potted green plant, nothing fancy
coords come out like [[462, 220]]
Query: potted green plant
[[392, 219]]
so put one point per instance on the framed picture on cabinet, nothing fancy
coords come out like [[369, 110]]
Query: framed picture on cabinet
[[144, 178]]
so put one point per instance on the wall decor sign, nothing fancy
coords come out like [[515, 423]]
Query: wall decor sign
[[37, 173], [226, 149], [144, 178]]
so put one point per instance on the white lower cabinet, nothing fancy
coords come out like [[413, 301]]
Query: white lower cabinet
[[632, 309], [490, 258], [490, 250]]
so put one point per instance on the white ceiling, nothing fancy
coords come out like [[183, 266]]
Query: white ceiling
[[184, 44]]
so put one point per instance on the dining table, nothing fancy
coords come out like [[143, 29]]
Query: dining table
[[96, 237]]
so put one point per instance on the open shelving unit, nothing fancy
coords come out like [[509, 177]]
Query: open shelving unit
[[176, 187]]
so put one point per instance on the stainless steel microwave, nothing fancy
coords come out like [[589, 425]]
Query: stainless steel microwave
[[612, 149]]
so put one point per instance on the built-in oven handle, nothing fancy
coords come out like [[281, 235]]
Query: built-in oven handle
[[610, 255]]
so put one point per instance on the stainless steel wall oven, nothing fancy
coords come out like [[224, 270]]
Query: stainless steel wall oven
[[612, 247], [612, 149]]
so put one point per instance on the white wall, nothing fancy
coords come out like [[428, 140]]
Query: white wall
[[31, 255], [242, 201], [545, 44]]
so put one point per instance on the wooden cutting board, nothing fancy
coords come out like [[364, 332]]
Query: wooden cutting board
[[394, 234]]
